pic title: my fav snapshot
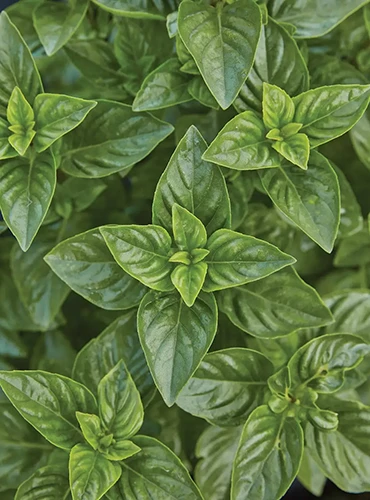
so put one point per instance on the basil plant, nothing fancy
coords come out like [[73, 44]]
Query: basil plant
[[184, 249]]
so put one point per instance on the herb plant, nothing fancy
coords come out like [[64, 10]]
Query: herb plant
[[184, 249]]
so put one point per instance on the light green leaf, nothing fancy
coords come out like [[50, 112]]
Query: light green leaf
[[328, 112], [235, 259], [279, 62], [143, 252], [56, 115], [277, 106], [99, 356], [120, 408], [175, 338], [321, 363], [50, 482], [188, 280], [111, 139], [91, 475], [18, 68], [194, 184], [242, 145], [164, 87], [6, 150], [224, 48], [227, 386], [90, 427], [295, 149], [55, 23], [268, 456], [86, 265], [310, 475], [275, 306], [155, 473], [20, 115], [49, 403], [142, 9], [343, 455], [310, 199], [188, 230], [26, 188]]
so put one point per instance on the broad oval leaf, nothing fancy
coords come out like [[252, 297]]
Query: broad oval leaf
[[49, 402], [26, 188], [227, 386], [193, 184], [99, 356], [275, 306], [91, 475], [86, 265], [268, 457], [111, 139], [235, 259], [143, 252], [224, 48], [50, 482], [308, 198], [175, 338]]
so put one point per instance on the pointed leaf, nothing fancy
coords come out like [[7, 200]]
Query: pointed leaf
[[188, 230], [278, 107], [90, 427], [188, 280], [310, 475], [295, 149]]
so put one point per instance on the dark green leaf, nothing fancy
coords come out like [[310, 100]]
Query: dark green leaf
[[131, 8], [50, 482]]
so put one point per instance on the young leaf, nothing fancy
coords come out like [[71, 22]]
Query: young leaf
[[227, 386], [295, 149], [21, 117], [143, 252], [49, 482], [86, 265], [309, 198], [120, 408], [328, 112], [55, 23], [175, 338], [194, 184], [56, 115], [91, 475], [235, 259], [274, 306], [99, 356], [49, 402], [26, 188], [111, 139], [90, 427], [164, 87], [278, 107], [155, 471], [188, 280], [268, 456], [188, 230], [242, 145], [224, 48]]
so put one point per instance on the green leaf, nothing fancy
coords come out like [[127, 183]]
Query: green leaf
[[328, 112], [156, 473], [49, 403], [6, 150], [56, 115], [26, 188], [188, 230], [242, 145], [351, 220], [120, 408], [310, 475], [279, 62], [18, 68], [91, 475], [99, 356], [295, 149], [86, 265], [142, 9], [56, 23], [313, 18], [49, 482], [194, 184], [275, 306], [310, 199], [90, 427], [188, 280], [321, 363], [343, 455], [143, 252], [227, 386], [175, 338], [235, 259], [353, 251], [224, 48], [278, 107], [111, 139], [20, 115], [164, 87], [201, 93], [268, 456], [11, 344], [215, 450]]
